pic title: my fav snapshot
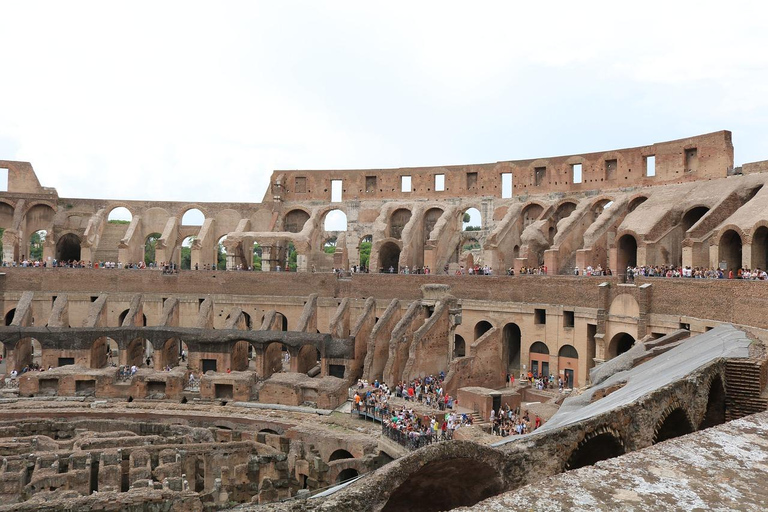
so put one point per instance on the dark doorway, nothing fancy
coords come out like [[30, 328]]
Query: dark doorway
[[676, 424], [208, 365], [600, 447], [68, 248], [715, 414]]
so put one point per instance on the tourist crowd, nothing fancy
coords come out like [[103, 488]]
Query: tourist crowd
[[508, 421]]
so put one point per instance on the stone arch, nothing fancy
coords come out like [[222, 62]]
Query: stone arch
[[389, 257], [511, 345], [673, 422], [459, 346], [539, 347], [340, 454], [274, 358], [715, 412], [626, 253], [619, 344], [309, 357], [243, 356], [531, 213], [68, 247], [624, 304], [9, 316], [150, 248], [171, 352], [635, 202], [692, 216], [598, 445], [281, 322], [730, 247], [192, 215], [119, 213], [760, 248], [431, 217], [346, 474], [433, 483], [335, 220], [538, 358], [475, 221], [295, 220], [568, 365], [104, 352], [564, 210], [39, 216], [482, 327], [137, 351], [397, 222], [27, 352]]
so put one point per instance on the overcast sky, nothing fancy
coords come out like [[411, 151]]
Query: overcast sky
[[201, 101]]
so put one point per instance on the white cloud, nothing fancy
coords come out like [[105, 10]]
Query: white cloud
[[189, 101]]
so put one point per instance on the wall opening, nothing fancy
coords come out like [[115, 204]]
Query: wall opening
[[619, 344], [481, 328], [600, 447], [569, 318], [120, 215], [68, 248], [715, 413], [506, 185], [346, 474], [439, 182], [730, 250], [193, 217], [335, 220], [576, 173], [760, 248], [294, 221], [405, 184], [389, 258], [340, 454], [3, 179], [539, 316], [627, 253], [336, 191], [459, 346], [511, 339], [676, 424], [398, 221], [471, 220], [650, 165], [693, 216]]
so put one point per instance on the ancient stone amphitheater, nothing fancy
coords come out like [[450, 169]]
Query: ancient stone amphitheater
[[180, 387]]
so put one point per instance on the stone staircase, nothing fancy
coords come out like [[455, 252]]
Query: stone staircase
[[745, 384], [110, 239]]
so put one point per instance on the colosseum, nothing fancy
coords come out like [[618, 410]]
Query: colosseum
[[205, 356]]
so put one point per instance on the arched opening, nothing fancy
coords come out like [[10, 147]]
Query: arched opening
[[220, 255], [730, 250], [193, 217], [471, 220], [760, 248], [619, 344], [36, 242], [627, 253], [715, 413], [335, 220], [104, 352], [538, 356], [295, 220], [346, 474], [459, 346], [389, 258], [516, 252], [276, 359], [564, 211], [243, 357], [68, 248], [364, 250], [693, 216], [398, 221], [636, 202], [28, 354], [430, 219], [120, 215], [568, 364], [329, 245], [281, 322], [676, 424], [482, 327], [173, 349], [268, 431], [186, 252], [511, 339], [599, 207], [600, 447], [433, 487], [140, 352], [309, 358], [150, 243], [9, 316], [340, 454], [257, 253], [531, 214]]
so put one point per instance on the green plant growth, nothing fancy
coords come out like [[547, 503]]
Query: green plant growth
[[292, 256], [256, 257], [118, 221], [2, 230], [36, 245], [330, 246], [149, 248], [365, 253]]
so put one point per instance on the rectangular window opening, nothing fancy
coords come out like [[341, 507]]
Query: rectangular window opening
[[650, 165], [336, 191], [610, 168], [506, 185], [540, 173], [405, 184], [540, 316], [568, 318], [439, 182], [471, 180], [576, 168], [3, 179], [370, 184]]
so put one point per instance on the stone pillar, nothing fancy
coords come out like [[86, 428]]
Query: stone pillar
[[746, 255]]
